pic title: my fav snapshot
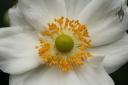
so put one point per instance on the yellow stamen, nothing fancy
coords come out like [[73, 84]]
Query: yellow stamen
[[64, 65], [57, 58]]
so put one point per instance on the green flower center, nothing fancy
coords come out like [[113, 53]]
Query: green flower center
[[64, 43]]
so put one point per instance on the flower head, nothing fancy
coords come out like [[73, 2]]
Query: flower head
[[78, 37]]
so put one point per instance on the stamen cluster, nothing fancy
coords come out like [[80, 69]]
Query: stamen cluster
[[74, 58]]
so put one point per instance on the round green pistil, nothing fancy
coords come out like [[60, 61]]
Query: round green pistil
[[64, 43]]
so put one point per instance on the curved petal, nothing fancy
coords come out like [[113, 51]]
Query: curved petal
[[93, 73], [74, 7], [16, 18], [88, 75], [45, 76], [96, 61], [17, 50], [18, 79], [39, 12], [106, 19], [116, 54]]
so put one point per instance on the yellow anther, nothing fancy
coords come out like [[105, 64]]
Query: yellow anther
[[64, 65], [52, 26], [66, 23], [42, 50], [52, 60], [60, 20], [48, 33]]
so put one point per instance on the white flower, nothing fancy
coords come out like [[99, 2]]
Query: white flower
[[105, 25]]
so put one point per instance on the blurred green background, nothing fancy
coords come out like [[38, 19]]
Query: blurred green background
[[120, 77]]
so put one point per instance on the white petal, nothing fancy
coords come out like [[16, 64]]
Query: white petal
[[18, 79], [96, 60], [39, 12], [46, 76], [92, 76], [103, 21], [17, 50], [74, 7], [16, 18], [88, 75], [116, 54], [93, 73]]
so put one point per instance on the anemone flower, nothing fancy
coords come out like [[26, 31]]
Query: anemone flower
[[64, 42]]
